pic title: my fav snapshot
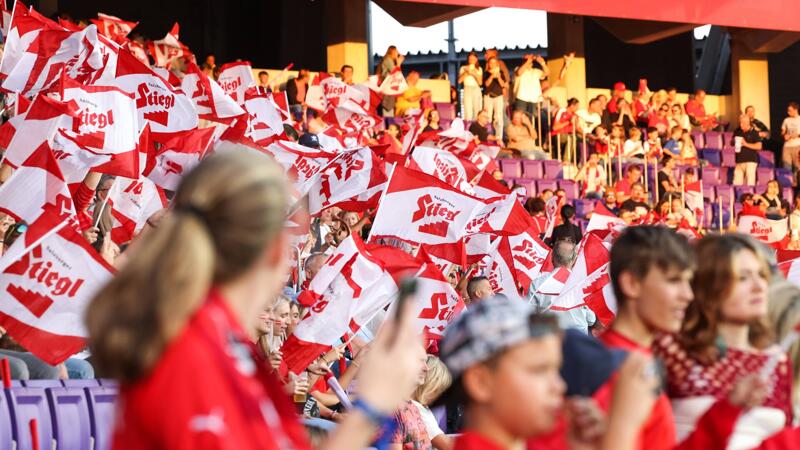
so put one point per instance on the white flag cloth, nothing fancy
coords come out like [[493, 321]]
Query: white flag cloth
[[354, 181], [235, 79], [209, 99], [763, 229], [132, 202]]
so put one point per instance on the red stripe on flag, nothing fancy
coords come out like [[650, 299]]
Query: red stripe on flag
[[299, 354], [51, 348]]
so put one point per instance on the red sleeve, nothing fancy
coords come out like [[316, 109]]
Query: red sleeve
[[714, 428], [82, 197]]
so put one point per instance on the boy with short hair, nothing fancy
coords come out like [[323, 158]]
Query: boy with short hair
[[673, 145]]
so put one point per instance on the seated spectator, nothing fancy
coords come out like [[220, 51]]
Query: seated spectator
[[562, 121], [433, 121], [665, 179], [610, 201], [347, 74], [599, 139], [263, 81], [659, 121], [410, 99], [625, 116], [633, 175], [480, 128], [637, 201], [747, 143], [652, 146], [617, 95], [437, 380], [688, 149], [790, 130], [633, 148], [763, 130], [696, 110], [772, 199], [678, 118], [546, 195], [536, 208], [522, 137], [673, 145], [592, 177], [591, 117], [679, 213], [567, 230], [478, 288]]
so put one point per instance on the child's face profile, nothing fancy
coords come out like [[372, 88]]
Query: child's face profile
[[660, 298]]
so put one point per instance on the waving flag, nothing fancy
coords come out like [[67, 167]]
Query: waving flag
[[763, 229], [502, 216], [177, 156], [235, 79], [394, 83], [350, 117], [693, 193], [789, 264], [603, 219], [355, 283], [327, 91], [169, 48], [265, 117], [445, 166], [24, 29], [209, 99], [529, 254], [421, 209], [50, 275], [107, 118], [165, 108], [303, 165], [455, 139], [437, 302], [353, 181], [113, 28], [132, 202], [499, 269], [33, 185]]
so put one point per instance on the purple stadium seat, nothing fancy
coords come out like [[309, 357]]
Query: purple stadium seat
[[552, 169], [570, 188], [529, 184], [583, 207], [440, 414], [533, 169], [739, 190], [737, 208], [714, 140], [69, 411], [511, 168], [708, 215], [726, 192], [728, 158], [446, 110], [699, 139], [81, 383], [712, 155], [709, 193], [101, 410], [108, 382], [761, 188], [42, 383], [784, 177], [6, 423], [710, 175], [788, 195], [764, 174], [27, 404], [727, 137], [541, 185], [766, 159]]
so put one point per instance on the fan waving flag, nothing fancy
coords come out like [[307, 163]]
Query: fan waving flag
[[210, 101], [235, 79], [132, 202], [177, 156], [445, 166], [353, 181], [437, 302], [35, 184], [529, 254], [421, 209], [394, 83], [303, 165], [355, 283], [113, 28], [603, 219], [169, 48], [50, 274], [328, 91], [501, 215], [165, 108], [24, 28]]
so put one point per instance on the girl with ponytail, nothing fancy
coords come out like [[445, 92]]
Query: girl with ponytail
[[173, 326]]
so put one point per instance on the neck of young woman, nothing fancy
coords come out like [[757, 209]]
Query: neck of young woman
[[483, 423], [735, 335], [631, 326], [246, 297]]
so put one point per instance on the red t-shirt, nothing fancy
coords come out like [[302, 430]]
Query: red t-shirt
[[208, 391], [470, 440], [623, 187]]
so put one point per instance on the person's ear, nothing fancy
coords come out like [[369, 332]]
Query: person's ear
[[630, 286], [478, 382]]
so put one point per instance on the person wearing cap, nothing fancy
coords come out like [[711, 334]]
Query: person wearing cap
[[309, 140], [617, 95], [504, 360]]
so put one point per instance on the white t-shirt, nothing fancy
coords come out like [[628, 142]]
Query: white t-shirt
[[590, 120], [431, 425], [529, 86], [468, 80], [792, 125], [632, 148]]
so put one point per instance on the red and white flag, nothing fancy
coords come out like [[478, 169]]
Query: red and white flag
[[445, 166], [36, 183], [603, 219], [499, 269], [50, 275], [487, 187], [457, 138], [352, 286], [502, 216], [555, 282], [328, 91], [235, 79], [165, 108], [5, 19], [265, 117], [789, 264], [209, 99], [354, 181], [693, 194], [176, 156], [421, 209], [763, 229], [437, 302], [303, 165], [107, 121], [529, 254], [484, 157], [169, 48], [114, 28], [394, 83], [350, 117], [132, 202], [23, 29], [137, 50]]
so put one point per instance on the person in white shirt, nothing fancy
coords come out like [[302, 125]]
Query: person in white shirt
[[471, 77], [593, 178], [633, 148], [437, 380], [590, 118], [790, 129], [528, 84]]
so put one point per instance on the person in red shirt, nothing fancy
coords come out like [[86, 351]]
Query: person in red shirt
[[633, 175], [696, 109], [175, 325], [619, 93]]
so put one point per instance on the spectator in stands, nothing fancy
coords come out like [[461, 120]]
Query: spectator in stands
[[567, 229], [633, 175], [536, 208], [696, 109], [672, 98], [617, 94], [652, 146], [296, 93], [521, 137], [493, 53], [480, 129], [495, 82], [794, 224], [660, 121], [562, 121], [391, 60], [437, 380], [394, 136], [591, 117], [725, 329], [409, 100], [637, 202], [224, 243], [478, 288], [633, 150], [411, 431], [347, 74], [678, 118], [790, 130], [624, 116], [610, 201], [433, 121], [599, 140], [673, 145], [679, 213], [546, 195], [471, 77], [263, 81], [772, 198], [688, 150], [665, 179], [592, 177], [763, 130], [527, 84], [748, 144], [313, 264]]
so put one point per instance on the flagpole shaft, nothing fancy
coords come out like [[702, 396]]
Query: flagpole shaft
[[619, 163], [699, 223], [105, 201], [720, 214], [646, 184], [655, 177], [558, 144], [539, 120], [683, 190], [584, 151], [730, 219], [549, 135]]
